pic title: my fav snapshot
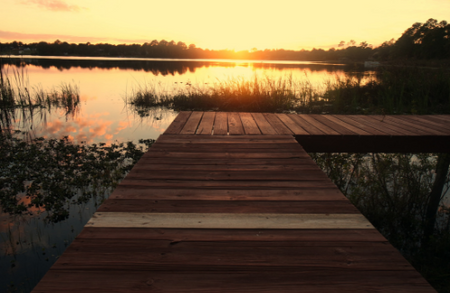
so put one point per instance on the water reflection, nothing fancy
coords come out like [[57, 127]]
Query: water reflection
[[164, 68]]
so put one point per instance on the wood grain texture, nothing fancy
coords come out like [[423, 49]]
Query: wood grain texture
[[228, 221]]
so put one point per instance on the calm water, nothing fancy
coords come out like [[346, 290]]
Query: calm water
[[28, 246]]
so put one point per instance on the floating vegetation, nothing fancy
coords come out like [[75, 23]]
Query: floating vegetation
[[52, 174]]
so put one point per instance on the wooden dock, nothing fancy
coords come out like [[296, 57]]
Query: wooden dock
[[231, 202]]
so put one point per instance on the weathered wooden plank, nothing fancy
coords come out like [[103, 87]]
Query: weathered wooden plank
[[263, 125], [185, 161], [276, 123], [218, 148], [249, 124], [243, 137], [151, 193], [227, 206], [314, 120], [228, 221], [178, 124], [310, 129], [289, 281], [191, 125], [267, 235], [228, 155], [311, 175], [206, 124], [290, 145], [350, 129], [290, 123], [204, 167], [382, 124], [232, 185], [411, 124], [435, 121], [235, 124], [347, 119], [221, 124]]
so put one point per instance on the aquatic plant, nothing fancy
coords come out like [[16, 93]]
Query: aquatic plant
[[52, 174], [20, 101]]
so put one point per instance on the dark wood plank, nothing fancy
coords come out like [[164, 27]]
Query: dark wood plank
[[263, 125], [235, 124], [290, 123], [242, 137], [349, 128], [206, 124], [414, 124], [436, 121], [310, 281], [178, 124], [276, 123], [231, 146], [314, 175], [314, 121], [217, 148], [250, 235], [310, 129], [191, 125], [178, 167], [150, 193], [185, 161], [347, 119], [231, 185], [130, 254], [426, 123], [249, 124], [228, 155], [226, 206], [221, 124], [383, 125]]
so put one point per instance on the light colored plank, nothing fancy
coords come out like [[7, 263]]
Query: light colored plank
[[235, 124], [228, 221], [206, 125], [221, 124], [191, 125], [263, 124], [249, 124]]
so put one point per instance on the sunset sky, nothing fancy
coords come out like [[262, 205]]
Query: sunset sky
[[230, 24]]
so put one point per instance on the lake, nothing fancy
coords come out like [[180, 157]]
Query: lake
[[29, 245]]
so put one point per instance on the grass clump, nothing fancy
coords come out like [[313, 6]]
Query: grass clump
[[237, 94], [20, 101]]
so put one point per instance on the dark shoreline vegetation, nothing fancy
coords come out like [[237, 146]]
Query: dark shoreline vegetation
[[391, 90], [429, 40]]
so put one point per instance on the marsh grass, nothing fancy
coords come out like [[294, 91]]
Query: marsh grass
[[20, 101], [390, 90], [259, 94]]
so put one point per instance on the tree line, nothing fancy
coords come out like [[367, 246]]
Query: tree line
[[429, 40]]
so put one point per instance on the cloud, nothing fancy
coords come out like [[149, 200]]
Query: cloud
[[24, 37], [54, 5]]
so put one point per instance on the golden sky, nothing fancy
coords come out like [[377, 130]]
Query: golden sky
[[230, 24]]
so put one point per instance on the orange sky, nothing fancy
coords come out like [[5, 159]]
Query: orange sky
[[231, 24]]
